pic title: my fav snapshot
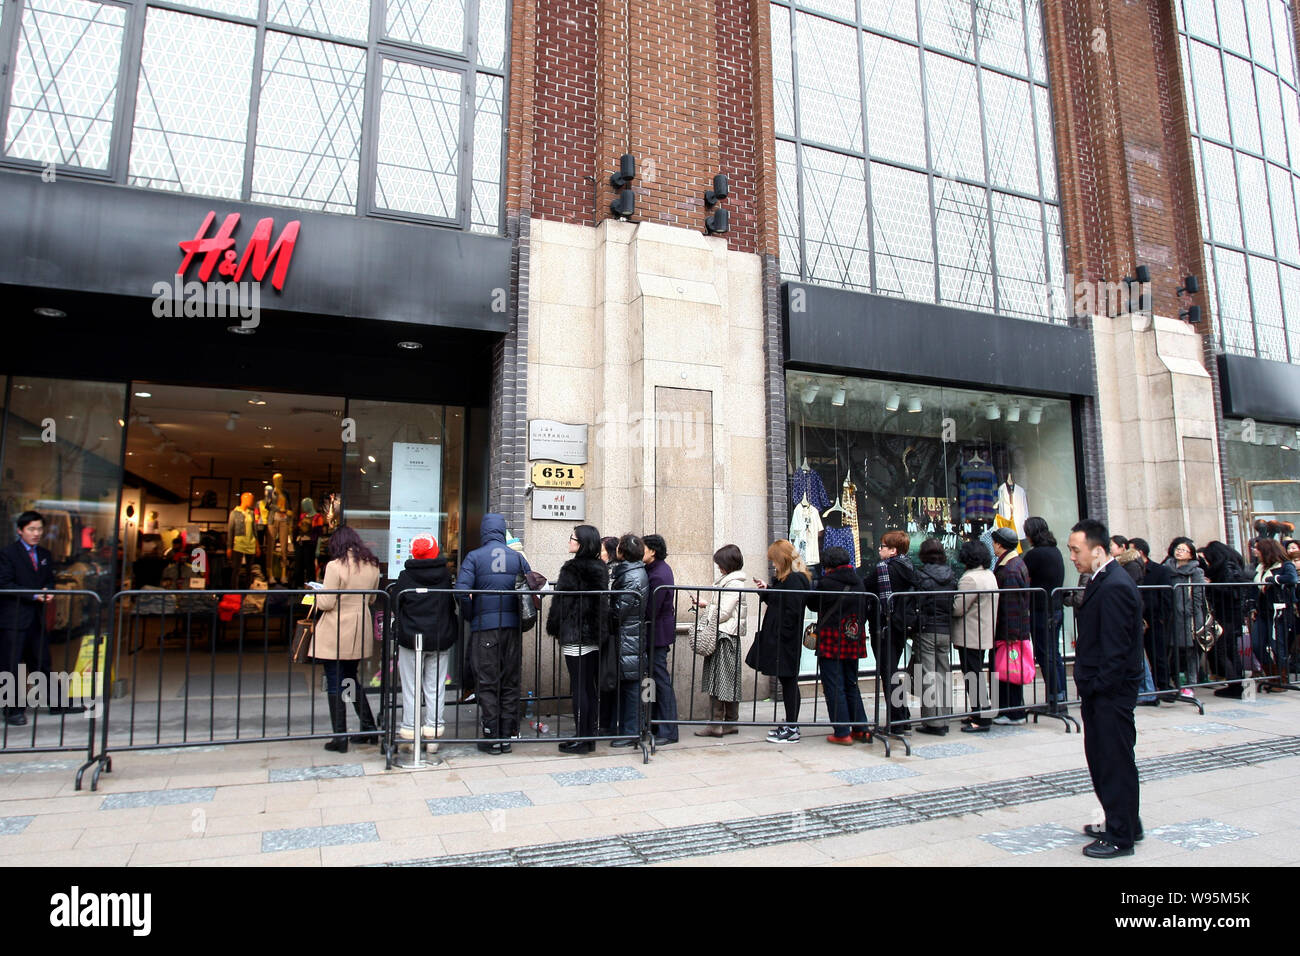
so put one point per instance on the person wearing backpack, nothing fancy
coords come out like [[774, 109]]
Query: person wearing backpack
[[432, 616]]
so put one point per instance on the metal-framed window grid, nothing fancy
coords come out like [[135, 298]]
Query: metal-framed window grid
[[378, 48], [1213, 243], [789, 9]]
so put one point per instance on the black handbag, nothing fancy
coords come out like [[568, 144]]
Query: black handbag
[[527, 607]]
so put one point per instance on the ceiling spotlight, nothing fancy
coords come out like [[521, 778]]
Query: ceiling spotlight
[[363, 471], [230, 422], [372, 458], [1013, 413], [239, 330], [1035, 414], [410, 345], [838, 398], [121, 423], [810, 392], [892, 404], [257, 400], [144, 394], [45, 312], [914, 404], [992, 412], [268, 446]]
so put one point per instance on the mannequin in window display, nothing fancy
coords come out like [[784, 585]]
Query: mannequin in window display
[[333, 513], [279, 531], [310, 525], [1013, 506], [241, 540]]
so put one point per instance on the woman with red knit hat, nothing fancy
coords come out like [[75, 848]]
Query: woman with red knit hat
[[432, 616]]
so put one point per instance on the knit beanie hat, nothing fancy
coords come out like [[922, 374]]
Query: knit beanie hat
[[424, 547]]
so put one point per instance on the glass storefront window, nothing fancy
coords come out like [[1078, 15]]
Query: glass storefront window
[[924, 459], [402, 478], [868, 456], [1263, 462], [61, 455]]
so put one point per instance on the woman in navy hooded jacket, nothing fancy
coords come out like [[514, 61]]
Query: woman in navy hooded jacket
[[496, 647]]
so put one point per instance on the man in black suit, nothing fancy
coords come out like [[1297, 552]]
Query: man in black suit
[[1108, 672], [25, 565]]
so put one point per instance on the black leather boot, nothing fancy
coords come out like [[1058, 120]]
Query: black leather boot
[[338, 724], [366, 716]]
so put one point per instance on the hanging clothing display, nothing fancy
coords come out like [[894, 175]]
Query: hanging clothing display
[[842, 537], [976, 495], [849, 498], [806, 483], [1013, 506], [805, 525]]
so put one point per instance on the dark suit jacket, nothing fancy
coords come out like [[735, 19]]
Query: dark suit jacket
[[1108, 657], [16, 571], [1158, 606]]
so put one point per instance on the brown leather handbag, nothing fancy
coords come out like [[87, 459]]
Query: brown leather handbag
[[303, 633]]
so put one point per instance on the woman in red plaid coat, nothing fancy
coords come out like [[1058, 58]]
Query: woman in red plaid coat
[[841, 643]]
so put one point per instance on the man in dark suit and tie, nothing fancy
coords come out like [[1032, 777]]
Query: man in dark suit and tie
[[1108, 672], [25, 565]]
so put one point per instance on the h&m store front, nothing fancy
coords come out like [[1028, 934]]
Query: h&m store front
[[362, 379]]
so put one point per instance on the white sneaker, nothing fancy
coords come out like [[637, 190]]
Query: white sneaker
[[406, 733], [1003, 720]]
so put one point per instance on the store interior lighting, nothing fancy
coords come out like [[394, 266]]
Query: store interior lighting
[[838, 398], [1013, 413], [893, 403], [230, 422], [1035, 414], [810, 393], [992, 412], [914, 404]]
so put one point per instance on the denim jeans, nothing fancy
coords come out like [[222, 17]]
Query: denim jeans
[[629, 701], [337, 673], [665, 706], [843, 699]]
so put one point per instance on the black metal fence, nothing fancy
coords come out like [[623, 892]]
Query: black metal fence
[[52, 652], [164, 668], [570, 698]]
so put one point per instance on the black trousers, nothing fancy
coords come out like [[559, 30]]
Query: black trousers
[[1109, 736], [498, 660], [887, 663], [30, 646], [582, 682]]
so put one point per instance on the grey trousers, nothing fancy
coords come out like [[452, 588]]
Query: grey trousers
[[934, 657], [434, 677]]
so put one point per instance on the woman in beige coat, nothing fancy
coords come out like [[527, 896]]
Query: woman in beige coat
[[345, 632], [974, 617]]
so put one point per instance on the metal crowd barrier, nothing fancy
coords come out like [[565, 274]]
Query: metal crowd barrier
[[543, 709], [687, 668], [51, 656], [933, 640], [1238, 634], [193, 692]]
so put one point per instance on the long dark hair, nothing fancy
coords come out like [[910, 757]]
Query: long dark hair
[[588, 542], [1039, 535], [346, 545]]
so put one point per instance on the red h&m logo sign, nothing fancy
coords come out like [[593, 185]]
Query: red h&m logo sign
[[219, 253]]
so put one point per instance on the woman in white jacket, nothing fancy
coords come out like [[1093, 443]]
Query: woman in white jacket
[[973, 620], [721, 676]]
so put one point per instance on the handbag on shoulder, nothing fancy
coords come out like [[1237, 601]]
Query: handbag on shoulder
[[303, 633], [704, 639]]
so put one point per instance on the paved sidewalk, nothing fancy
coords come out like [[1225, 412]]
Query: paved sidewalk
[[1223, 788]]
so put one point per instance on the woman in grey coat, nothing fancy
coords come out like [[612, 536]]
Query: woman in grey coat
[[1189, 609]]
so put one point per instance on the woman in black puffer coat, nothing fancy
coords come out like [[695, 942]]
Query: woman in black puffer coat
[[629, 596], [578, 623]]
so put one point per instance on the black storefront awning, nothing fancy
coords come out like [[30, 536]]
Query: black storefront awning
[[855, 332], [1259, 389]]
